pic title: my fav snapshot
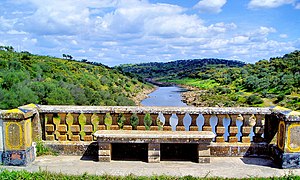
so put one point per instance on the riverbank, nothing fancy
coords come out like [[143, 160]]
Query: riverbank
[[143, 95]]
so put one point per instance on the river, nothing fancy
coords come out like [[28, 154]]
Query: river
[[171, 96], [165, 96]]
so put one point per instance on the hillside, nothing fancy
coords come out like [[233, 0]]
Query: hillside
[[158, 71], [231, 83], [27, 78]]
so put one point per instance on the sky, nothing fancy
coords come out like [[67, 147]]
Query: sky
[[116, 32]]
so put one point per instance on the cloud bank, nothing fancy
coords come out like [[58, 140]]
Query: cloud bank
[[133, 31]]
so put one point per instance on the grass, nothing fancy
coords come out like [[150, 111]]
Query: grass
[[41, 149], [45, 175], [203, 84]]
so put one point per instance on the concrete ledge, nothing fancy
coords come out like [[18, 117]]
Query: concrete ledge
[[153, 110]]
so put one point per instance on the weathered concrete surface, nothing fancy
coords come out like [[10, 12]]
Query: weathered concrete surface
[[219, 167]]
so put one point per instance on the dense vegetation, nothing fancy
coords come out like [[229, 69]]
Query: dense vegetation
[[156, 71], [27, 78], [267, 82]]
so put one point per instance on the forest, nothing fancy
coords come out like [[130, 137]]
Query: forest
[[28, 78], [230, 83]]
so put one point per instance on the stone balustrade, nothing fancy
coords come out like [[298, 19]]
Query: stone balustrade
[[78, 123], [240, 131]]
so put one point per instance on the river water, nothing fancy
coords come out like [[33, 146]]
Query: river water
[[171, 96], [165, 96]]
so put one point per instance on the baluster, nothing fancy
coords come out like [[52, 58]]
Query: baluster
[[127, 125], [141, 125], [213, 123], [101, 125], [220, 129], [259, 128], [154, 126], [82, 122], [108, 121], [88, 128], [56, 122], [193, 126], [62, 127], [206, 125], [246, 129], [114, 125], [180, 125], [95, 121], [167, 126], [69, 121], [75, 128], [233, 129], [49, 127]]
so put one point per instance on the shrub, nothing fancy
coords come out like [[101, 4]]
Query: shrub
[[254, 99]]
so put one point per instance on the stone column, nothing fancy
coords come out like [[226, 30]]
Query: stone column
[[287, 150], [104, 151], [153, 152], [17, 137], [203, 153]]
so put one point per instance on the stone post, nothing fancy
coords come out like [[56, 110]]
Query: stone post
[[16, 135], [153, 152], [287, 150]]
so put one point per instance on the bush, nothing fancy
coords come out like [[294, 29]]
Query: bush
[[254, 99], [41, 149]]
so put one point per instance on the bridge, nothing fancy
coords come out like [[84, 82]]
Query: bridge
[[240, 131]]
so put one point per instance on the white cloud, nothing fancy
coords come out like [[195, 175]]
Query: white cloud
[[297, 6], [283, 36], [256, 4], [210, 6], [132, 31], [15, 32]]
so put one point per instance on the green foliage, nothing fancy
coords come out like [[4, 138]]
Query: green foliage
[[27, 78], [108, 120], [134, 121], [147, 121], [277, 77], [41, 149], [25, 175], [254, 99], [159, 124], [121, 120]]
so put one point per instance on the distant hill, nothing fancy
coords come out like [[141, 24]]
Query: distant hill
[[230, 83], [156, 71], [27, 78]]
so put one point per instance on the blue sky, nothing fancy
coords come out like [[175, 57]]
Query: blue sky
[[133, 31]]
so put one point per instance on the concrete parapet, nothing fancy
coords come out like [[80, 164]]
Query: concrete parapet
[[287, 150], [16, 135]]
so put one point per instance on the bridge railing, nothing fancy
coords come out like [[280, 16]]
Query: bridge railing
[[77, 123], [240, 131]]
